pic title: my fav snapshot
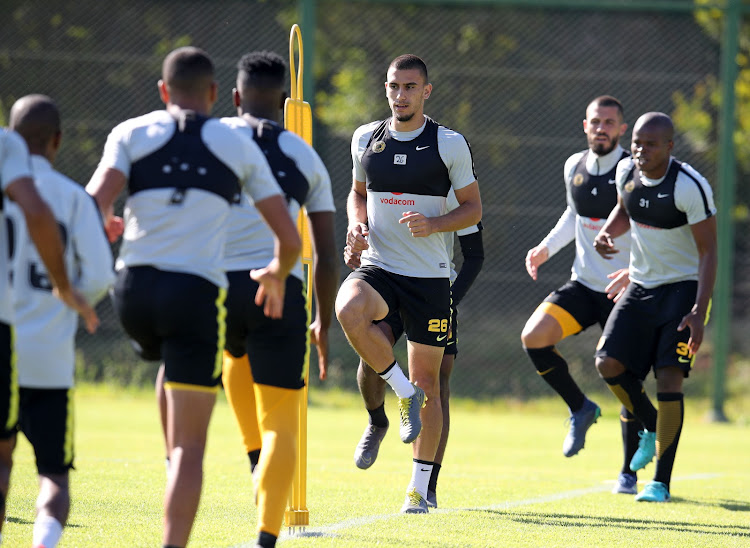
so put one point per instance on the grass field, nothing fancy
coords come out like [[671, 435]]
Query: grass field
[[504, 481]]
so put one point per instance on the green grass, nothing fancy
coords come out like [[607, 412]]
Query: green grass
[[504, 481]]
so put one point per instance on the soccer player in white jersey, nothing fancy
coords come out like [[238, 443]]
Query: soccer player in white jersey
[[16, 183], [264, 393], [45, 371], [659, 322], [372, 386], [183, 171], [589, 296], [404, 167]]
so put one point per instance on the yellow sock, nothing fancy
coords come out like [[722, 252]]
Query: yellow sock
[[278, 414], [238, 386]]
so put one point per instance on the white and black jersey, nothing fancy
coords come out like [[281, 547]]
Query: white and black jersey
[[591, 194], [302, 177], [14, 164], [409, 171], [181, 189], [45, 327], [661, 212]]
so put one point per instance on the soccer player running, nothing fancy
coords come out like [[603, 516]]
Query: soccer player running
[[372, 386], [264, 394], [183, 171], [659, 321], [16, 183], [404, 167], [589, 296], [45, 371]]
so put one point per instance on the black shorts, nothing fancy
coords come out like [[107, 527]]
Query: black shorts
[[641, 331], [46, 419], [397, 328], [176, 317], [277, 349], [423, 303], [8, 383], [576, 307]]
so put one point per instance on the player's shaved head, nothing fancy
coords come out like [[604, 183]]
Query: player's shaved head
[[37, 119], [409, 61], [655, 121], [188, 70]]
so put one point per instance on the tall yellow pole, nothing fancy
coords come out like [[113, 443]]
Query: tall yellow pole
[[298, 119]]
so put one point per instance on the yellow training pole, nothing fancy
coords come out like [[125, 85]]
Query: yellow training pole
[[298, 119]]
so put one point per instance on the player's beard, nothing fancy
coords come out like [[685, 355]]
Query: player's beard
[[602, 149], [404, 117]]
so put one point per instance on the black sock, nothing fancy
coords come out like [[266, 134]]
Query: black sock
[[553, 368], [629, 427], [378, 416], [254, 457], [669, 427], [629, 390], [266, 540], [432, 485]]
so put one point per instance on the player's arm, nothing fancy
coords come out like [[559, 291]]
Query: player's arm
[[105, 186], [704, 234], [356, 213], [468, 212], [43, 230], [287, 247], [472, 250], [561, 235], [92, 249], [617, 224], [325, 282]]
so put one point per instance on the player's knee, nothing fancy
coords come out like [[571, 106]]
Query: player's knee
[[607, 367], [535, 336]]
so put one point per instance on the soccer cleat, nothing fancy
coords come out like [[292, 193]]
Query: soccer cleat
[[626, 484], [580, 422], [655, 491], [431, 499], [646, 450], [367, 449], [414, 503], [411, 424]]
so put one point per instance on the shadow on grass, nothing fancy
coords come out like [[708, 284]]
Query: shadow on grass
[[572, 520], [731, 505], [23, 521]]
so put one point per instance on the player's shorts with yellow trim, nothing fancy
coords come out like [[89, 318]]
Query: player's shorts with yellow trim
[[8, 383], [423, 303], [577, 307], [176, 317], [276, 348], [641, 331], [47, 420]]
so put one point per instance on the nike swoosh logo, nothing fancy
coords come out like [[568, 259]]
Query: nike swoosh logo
[[683, 360], [422, 148], [442, 337], [611, 181], [662, 195], [425, 469]]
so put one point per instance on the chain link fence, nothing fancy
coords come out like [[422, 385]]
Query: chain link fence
[[515, 81]]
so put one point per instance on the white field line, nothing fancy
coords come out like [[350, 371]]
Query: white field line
[[329, 530]]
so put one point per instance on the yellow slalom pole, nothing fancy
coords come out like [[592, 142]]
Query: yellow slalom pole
[[298, 119]]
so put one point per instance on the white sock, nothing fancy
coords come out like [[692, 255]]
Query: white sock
[[47, 531], [398, 381], [420, 476]]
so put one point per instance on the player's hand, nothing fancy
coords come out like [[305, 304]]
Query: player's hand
[[319, 337], [114, 227], [620, 281], [695, 322], [270, 294], [75, 300], [356, 237], [605, 245], [352, 258], [535, 258], [419, 225]]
